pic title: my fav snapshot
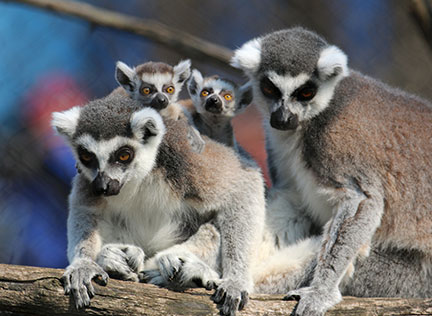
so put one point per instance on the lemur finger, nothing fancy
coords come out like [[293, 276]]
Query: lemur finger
[[65, 279], [244, 300], [218, 295], [101, 278], [230, 305]]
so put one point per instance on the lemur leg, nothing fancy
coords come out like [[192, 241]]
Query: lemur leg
[[353, 225], [121, 261], [194, 263]]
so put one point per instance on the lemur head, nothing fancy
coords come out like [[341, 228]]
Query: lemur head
[[218, 96], [293, 73], [154, 84], [114, 140]]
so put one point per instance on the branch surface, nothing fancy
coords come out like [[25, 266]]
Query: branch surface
[[38, 291]]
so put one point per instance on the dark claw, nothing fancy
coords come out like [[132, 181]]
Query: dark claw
[[244, 300], [218, 296], [293, 297]]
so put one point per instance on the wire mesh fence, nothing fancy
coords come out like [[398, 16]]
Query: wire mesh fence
[[50, 62]]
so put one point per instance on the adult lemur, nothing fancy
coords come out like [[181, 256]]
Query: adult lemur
[[348, 154], [142, 187]]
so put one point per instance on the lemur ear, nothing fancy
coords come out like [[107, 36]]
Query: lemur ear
[[248, 57], [182, 71], [125, 76], [332, 63], [195, 81], [245, 96], [65, 122], [147, 125]]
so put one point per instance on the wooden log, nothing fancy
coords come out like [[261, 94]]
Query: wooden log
[[38, 291]]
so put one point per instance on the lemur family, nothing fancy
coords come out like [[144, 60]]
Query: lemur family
[[166, 195]]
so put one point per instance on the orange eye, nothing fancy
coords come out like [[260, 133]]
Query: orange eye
[[306, 94], [268, 91], [86, 157], [146, 90], [228, 97], [204, 93], [124, 157], [170, 89]]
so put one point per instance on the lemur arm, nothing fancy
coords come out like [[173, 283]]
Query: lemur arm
[[355, 221], [84, 243]]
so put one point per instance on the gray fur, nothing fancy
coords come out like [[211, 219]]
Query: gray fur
[[290, 51], [344, 151], [218, 125], [166, 193]]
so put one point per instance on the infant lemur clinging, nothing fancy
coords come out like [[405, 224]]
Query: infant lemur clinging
[[215, 103], [157, 85]]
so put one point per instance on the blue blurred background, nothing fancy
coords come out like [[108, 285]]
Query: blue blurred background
[[50, 62]]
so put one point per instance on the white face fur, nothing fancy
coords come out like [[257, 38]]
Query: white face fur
[[119, 159], [215, 96], [156, 89], [288, 100]]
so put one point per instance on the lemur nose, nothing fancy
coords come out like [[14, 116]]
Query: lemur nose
[[160, 101], [103, 184], [213, 104]]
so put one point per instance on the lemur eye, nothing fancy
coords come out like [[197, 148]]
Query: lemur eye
[[204, 93], [146, 90], [269, 89], [306, 92], [170, 89], [228, 97], [85, 156], [124, 155]]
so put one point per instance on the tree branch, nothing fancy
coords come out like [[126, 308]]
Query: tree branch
[[38, 291], [175, 39]]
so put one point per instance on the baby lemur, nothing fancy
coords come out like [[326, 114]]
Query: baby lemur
[[157, 85], [347, 154], [215, 103], [142, 189]]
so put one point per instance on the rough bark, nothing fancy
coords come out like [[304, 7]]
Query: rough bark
[[38, 291], [183, 42]]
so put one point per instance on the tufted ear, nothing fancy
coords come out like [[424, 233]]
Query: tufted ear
[[245, 96], [332, 63], [194, 83], [65, 122], [147, 125], [182, 71], [125, 76], [248, 57]]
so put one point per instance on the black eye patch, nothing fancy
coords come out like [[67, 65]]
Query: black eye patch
[[87, 158], [269, 89], [147, 88], [305, 92]]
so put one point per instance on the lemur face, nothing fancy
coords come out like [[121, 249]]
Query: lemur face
[[112, 146], [153, 84], [217, 96], [293, 73]]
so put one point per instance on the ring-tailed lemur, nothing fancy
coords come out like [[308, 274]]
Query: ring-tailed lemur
[[215, 103], [143, 189], [346, 152], [157, 85]]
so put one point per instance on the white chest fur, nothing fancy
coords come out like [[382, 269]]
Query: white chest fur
[[296, 179], [142, 215]]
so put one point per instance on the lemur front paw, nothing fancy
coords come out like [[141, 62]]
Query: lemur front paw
[[230, 297], [77, 280], [121, 261], [180, 271], [313, 301]]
